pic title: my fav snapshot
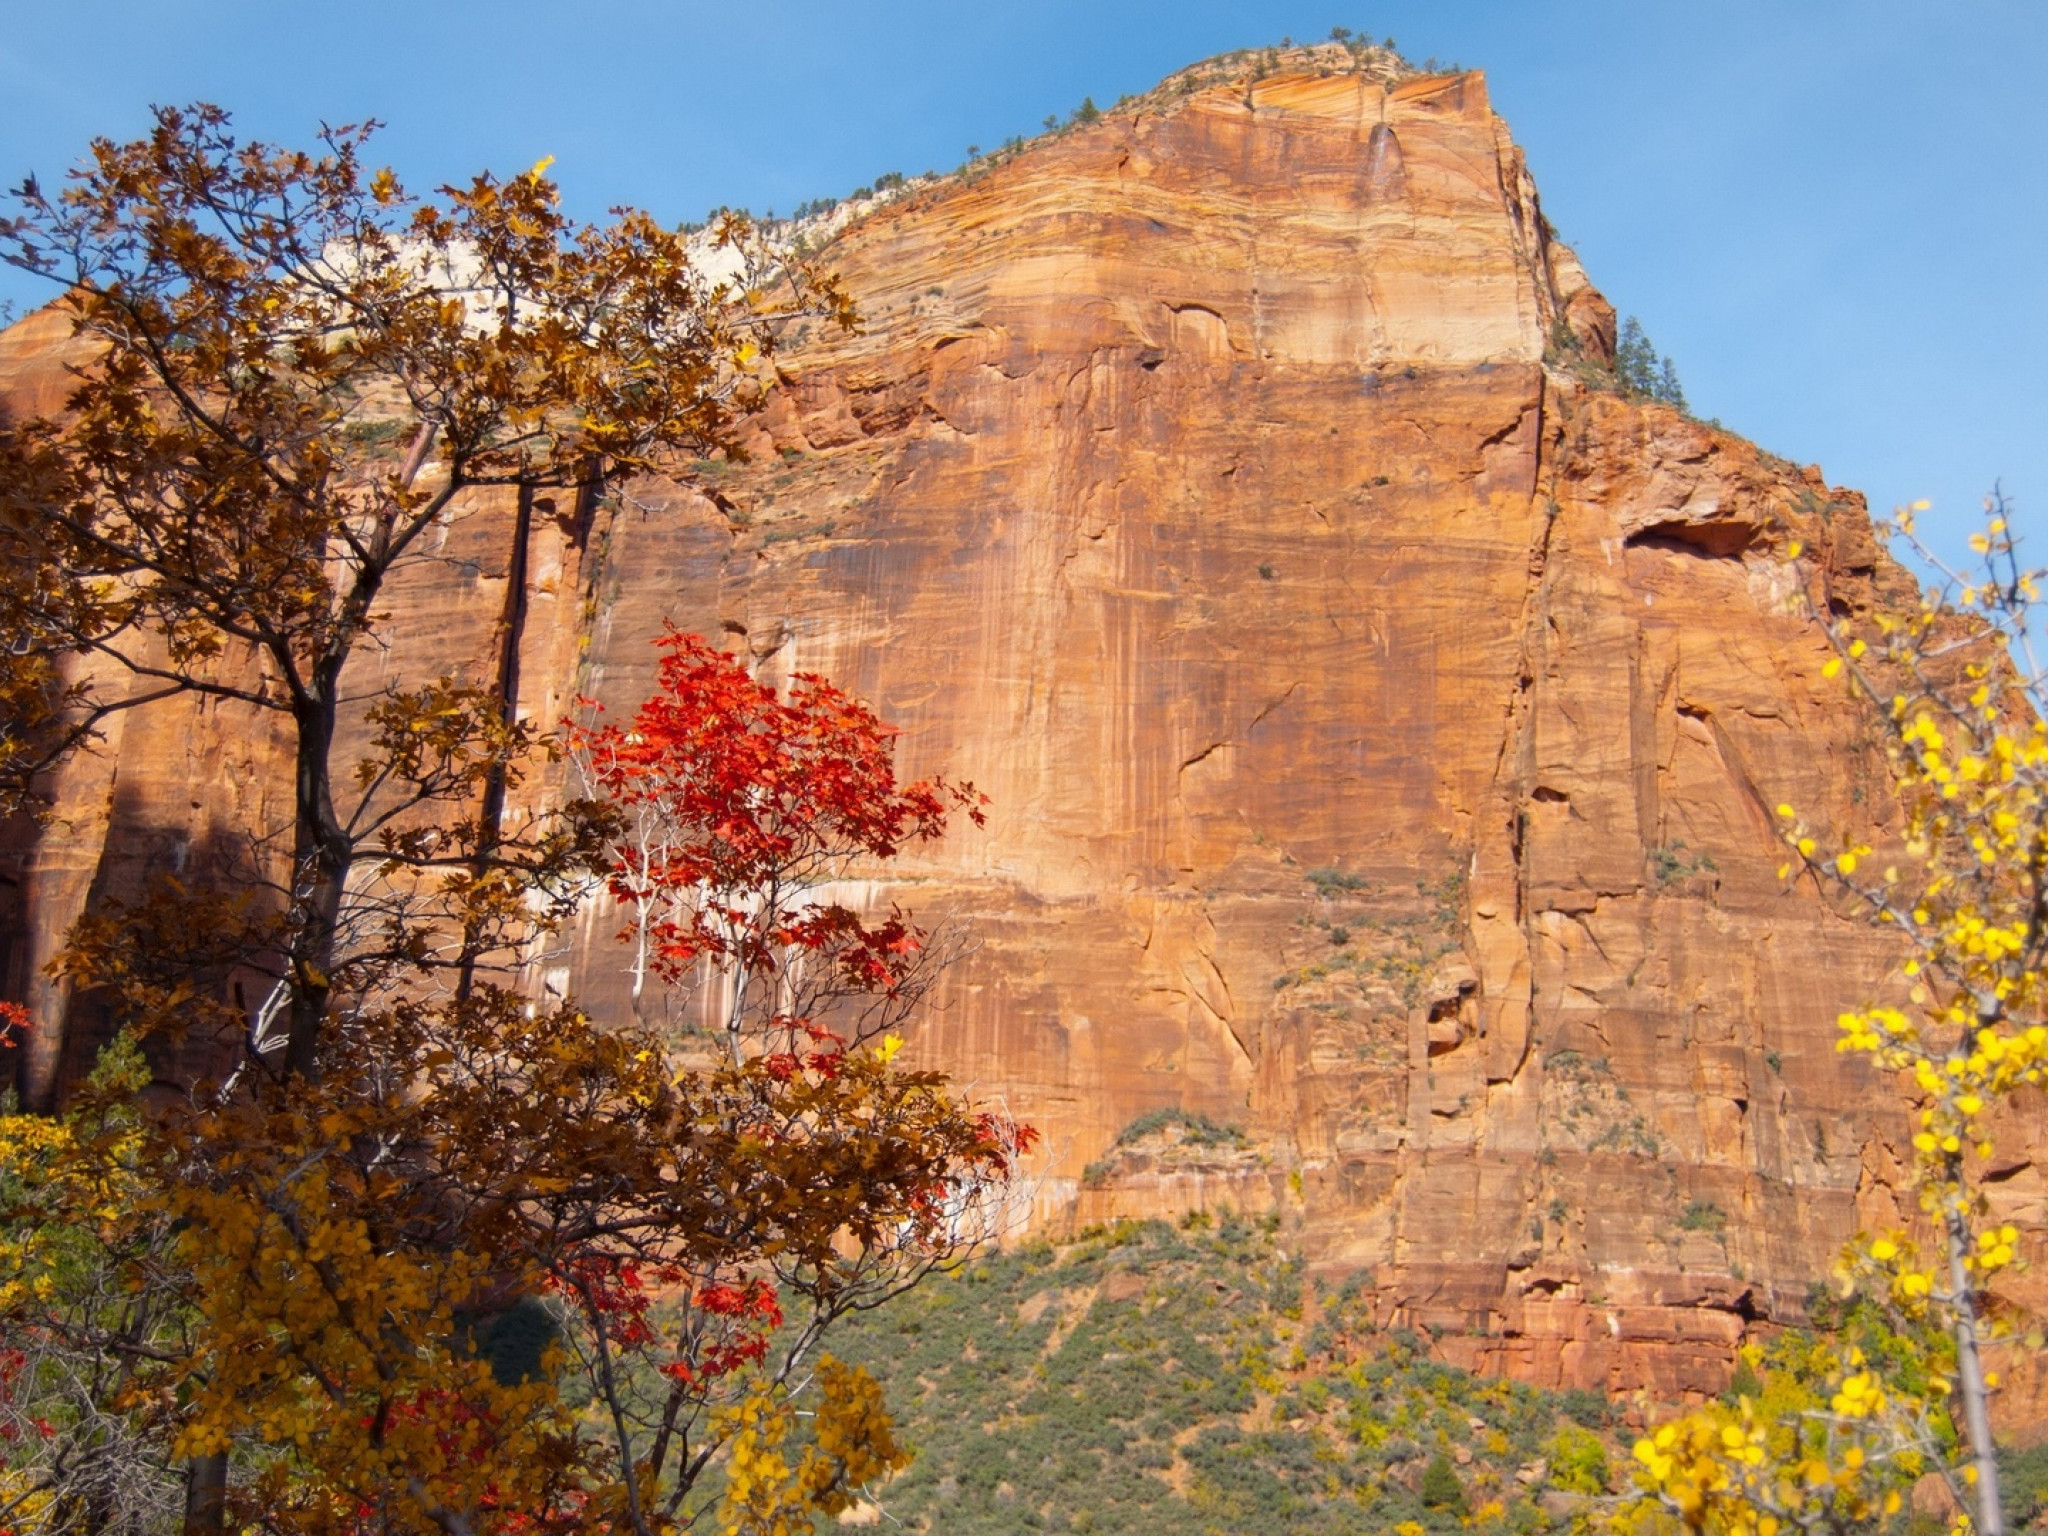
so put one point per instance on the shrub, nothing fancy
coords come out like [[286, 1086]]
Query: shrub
[[1330, 880], [1578, 1461], [1197, 1129], [1703, 1216], [1440, 1486], [1671, 864], [1744, 1383], [2023, 1478], [1585, 1407]]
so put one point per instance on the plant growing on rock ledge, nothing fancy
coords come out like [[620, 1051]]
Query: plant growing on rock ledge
[[1640, 372], [1703, 1216]]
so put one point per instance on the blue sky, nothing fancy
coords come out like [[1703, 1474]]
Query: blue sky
[[1833, 214]]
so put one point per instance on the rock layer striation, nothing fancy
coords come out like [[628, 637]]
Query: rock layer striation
[[1382, 721]]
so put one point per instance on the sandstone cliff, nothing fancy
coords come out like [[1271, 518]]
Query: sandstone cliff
[[1381, 721]]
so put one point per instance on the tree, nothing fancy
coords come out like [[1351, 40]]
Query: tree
[[1957, 695], [75, 1219], [329, 1258], [290, 373], [1440, 1486], [1668, 389], [296, 372], [1640, 372], [738, 807]]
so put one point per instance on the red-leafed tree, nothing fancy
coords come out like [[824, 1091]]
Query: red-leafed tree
[[738, 811], [347, 1262], [288, 1290], [742, 811]]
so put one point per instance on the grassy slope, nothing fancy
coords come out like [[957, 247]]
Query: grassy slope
[[1151, 1380]]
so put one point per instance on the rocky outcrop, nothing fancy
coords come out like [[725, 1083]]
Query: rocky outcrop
[[1382, 722]]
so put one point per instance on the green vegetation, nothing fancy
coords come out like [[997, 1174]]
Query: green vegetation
[[1671, 864], [1703, 1216], [1586, 1109], [1150, 1380], [1441, 1488], [823, 530], [1196, 1130], [1578, 1461], [1333, 881], [2023, 1477], [375, 434], [1640, 372], [1637, 372], [1386, 942]]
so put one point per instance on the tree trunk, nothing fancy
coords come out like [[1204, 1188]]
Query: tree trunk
[[505, 700], [1970, 1369], [206, 1495], [321, 856]]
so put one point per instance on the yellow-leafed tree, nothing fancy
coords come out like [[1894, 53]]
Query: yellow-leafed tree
[[1958, 697], [285, 1300]]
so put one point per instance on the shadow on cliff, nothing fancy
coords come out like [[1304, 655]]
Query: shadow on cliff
[[19, 838], [189, 907]]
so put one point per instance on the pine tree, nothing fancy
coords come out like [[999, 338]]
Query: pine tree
[[1635, 360], [1440, 1486], [1640, 372], [1668, 389]]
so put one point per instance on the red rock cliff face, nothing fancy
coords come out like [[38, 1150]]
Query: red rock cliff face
[[1382, 726]]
